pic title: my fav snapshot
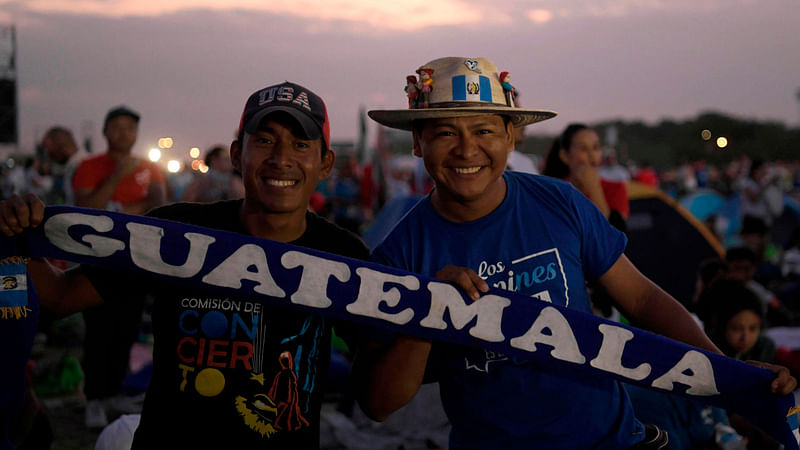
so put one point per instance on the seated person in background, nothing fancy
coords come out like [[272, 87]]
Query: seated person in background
[[755, 235], [742, 265], [575, 156], [736, 322], [219, 183]]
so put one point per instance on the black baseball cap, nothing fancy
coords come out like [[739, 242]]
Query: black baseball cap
[[118, 111], [299, 102]]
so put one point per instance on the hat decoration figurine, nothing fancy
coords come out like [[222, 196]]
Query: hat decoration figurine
[[412, 91], [508, 89], [425, 86]]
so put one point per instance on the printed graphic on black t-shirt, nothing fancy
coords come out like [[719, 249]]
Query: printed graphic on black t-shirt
[[222, 347]]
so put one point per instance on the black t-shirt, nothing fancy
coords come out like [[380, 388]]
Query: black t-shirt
[[231, 372]]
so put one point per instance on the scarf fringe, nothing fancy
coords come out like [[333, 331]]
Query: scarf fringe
[[14, 312]]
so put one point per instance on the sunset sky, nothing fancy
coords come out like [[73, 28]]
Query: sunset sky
[[188, 65]]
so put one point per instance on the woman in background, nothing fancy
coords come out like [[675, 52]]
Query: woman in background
[[576, 156]]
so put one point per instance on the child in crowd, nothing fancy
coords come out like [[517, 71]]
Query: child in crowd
[[742, 264], [736, 322]]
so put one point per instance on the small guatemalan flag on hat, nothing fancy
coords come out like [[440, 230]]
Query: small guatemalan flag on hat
[[475, 88]]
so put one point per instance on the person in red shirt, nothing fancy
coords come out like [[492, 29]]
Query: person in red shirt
[[116, 181], [647, 175]]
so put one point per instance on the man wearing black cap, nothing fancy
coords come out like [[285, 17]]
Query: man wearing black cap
[[116, 181], [258, 383]]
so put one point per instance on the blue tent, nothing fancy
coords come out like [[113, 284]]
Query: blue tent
[[781, 228], [703, 203]]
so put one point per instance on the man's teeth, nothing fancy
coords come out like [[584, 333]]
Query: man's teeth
[[281, 183], [467, 170]]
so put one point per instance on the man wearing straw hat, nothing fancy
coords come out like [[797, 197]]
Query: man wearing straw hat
[[537, 236]]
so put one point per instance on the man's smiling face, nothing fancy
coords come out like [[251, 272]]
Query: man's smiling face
[[466, 157], [280, 168]]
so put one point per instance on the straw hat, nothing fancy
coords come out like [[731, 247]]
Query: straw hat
[[460, 87]]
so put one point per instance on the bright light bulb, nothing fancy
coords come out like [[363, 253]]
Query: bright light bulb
[[154, 155], [722, 142], [194, 152], [165, 142], [203, 168], [173, 166]]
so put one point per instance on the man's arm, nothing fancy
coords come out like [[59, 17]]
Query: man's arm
[[59, 292], [388, 376], [586, 179], [650, 307], [62, 293]]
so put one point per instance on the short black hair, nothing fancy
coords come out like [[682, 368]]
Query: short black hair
[[741, 254], [58, 132], [753, 225], [725, 299], [119, 111]]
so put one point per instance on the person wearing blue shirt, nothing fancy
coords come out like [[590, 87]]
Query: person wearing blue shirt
[[540, 237]]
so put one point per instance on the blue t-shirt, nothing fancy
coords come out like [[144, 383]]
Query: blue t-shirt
[[543, 241]]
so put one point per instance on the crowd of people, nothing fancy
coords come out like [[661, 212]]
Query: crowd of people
[[274, 182]]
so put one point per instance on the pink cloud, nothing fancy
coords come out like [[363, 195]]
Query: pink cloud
[[406, 15]]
